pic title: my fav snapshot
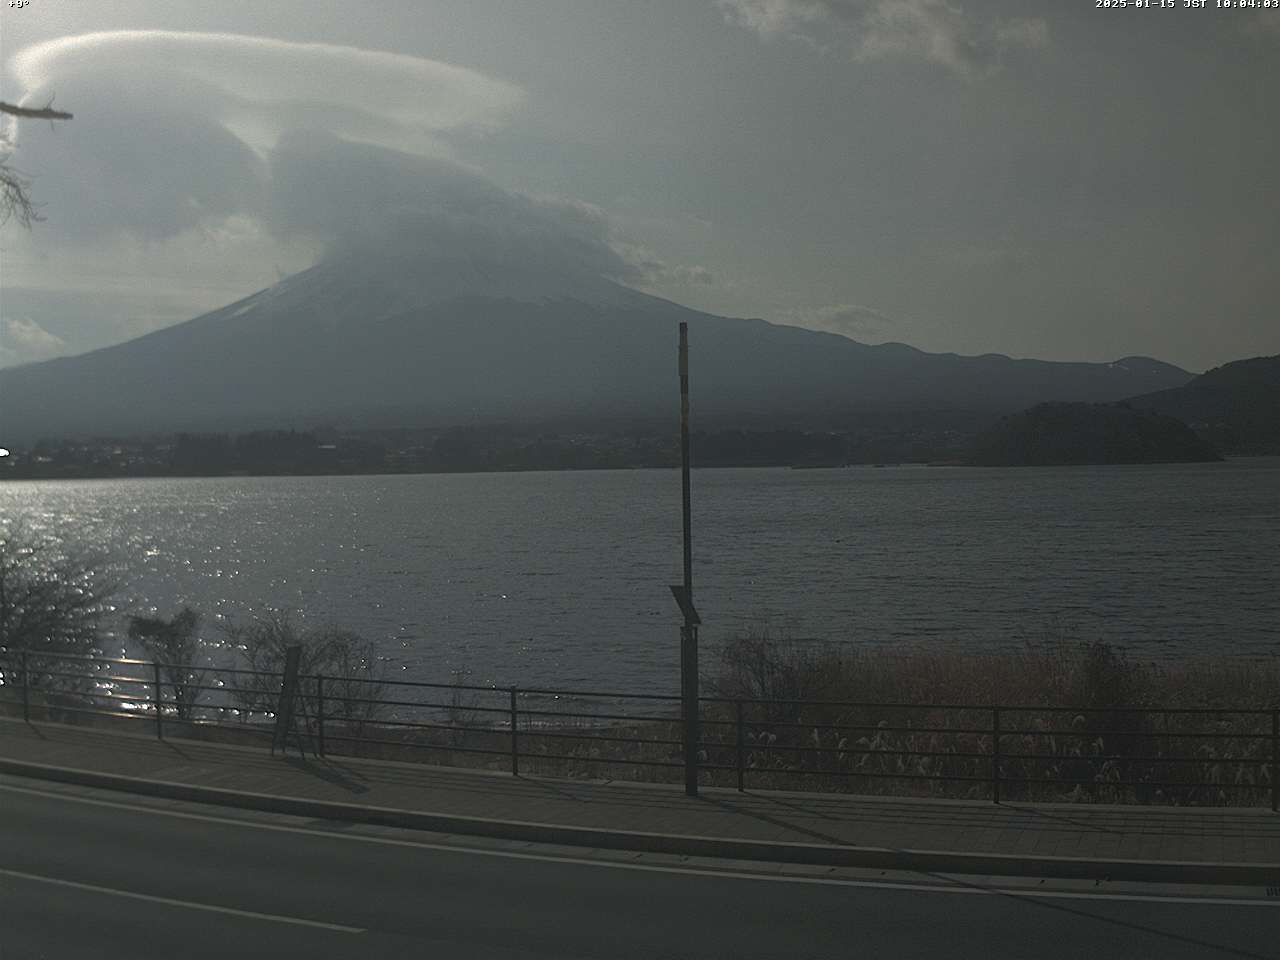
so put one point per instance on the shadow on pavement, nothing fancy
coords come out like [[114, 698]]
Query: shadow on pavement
[[330, 773]]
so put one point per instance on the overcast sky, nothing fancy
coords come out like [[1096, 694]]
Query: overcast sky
[[1039, 179]]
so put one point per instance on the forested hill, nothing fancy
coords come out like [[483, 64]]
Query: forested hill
[[1236, 406], [1054, 434]]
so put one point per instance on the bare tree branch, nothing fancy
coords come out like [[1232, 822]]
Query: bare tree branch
[[15, 198], [37, 113], [15, 201]]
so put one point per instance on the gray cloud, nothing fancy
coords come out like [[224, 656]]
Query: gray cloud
[[936, 31], [652, 270], [847, 319], [685, 274], [148, 166]]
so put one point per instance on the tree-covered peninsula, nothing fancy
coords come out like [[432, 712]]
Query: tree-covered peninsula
[[1054, 434]]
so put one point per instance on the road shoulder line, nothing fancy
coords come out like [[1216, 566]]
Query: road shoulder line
[[932, 861], [171, 902]]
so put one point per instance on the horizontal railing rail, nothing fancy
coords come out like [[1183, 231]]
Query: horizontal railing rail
[[1143, 754]]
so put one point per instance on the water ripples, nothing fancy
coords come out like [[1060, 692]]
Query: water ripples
[[532, 579]]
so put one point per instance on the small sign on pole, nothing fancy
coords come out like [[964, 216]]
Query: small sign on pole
[[685, 603]]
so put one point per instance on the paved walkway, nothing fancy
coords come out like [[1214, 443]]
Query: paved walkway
[[1247, 838]]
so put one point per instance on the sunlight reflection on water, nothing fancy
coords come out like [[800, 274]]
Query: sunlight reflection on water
[[559, 578]]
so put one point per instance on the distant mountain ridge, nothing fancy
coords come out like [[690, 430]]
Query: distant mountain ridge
[[384, 341]]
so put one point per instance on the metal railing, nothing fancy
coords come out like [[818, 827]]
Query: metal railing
[[991, 751]]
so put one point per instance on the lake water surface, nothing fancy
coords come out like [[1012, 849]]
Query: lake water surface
[[561, 578]]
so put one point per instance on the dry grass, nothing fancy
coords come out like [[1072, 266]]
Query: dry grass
[[1069, 726], [872, 722]]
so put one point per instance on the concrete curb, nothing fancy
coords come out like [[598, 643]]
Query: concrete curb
[[881, 858]]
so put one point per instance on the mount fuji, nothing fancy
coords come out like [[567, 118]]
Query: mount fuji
[[391, 338]]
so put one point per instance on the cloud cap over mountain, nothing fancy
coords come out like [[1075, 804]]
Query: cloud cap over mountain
[[357, 199]]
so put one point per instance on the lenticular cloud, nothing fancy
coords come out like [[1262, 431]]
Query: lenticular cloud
[[331, 148], [175, 132], [259, 85]]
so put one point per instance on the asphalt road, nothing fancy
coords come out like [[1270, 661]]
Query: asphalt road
[[87, 873]]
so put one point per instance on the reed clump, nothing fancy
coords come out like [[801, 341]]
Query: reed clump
[[1077, 721]]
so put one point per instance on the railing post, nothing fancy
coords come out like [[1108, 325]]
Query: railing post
[[320, 713], [1275, 758], [26, 691], [995, 754], [515, 739], [742, 760], [155, 670]]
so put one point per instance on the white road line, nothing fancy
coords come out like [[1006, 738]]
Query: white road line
[[968, 890], [170, 902]]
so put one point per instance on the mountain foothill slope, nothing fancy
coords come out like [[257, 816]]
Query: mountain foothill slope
[[1236, 406]]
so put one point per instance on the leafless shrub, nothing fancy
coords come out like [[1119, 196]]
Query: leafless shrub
[[348, 663], [353, 675], [174, 646], [52, 600]]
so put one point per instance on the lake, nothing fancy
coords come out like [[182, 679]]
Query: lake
[[561, 578]]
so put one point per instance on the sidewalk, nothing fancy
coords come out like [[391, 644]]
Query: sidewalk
[[1135, 843]]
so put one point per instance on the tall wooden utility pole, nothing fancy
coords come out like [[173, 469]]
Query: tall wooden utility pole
[[684, 592]]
